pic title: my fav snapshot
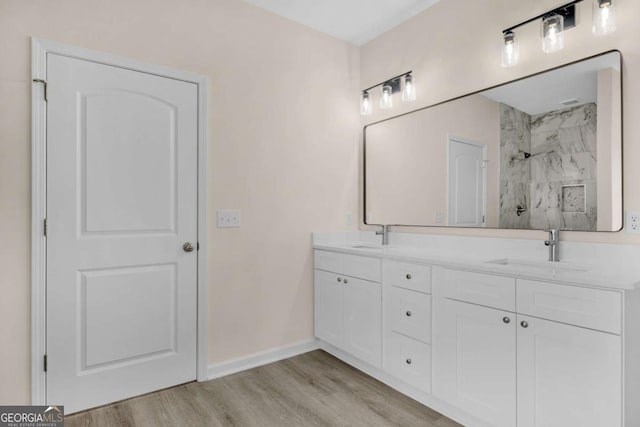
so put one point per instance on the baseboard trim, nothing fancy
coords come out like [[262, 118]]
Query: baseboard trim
[[254, 360]]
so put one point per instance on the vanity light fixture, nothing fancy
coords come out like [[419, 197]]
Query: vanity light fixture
[[604, 18], [386, 97], [510, 53], [388, 88], [409, 89], [554, 22], [365, 104], [552, 33]]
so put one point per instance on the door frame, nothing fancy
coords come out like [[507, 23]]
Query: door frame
[[450, 139], [39, 50]]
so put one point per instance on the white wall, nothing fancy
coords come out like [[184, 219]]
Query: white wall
[[283, 148], [453, 48]]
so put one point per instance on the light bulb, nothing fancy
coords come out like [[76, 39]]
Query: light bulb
[[604, 18], [552, 33], [365, 104], [409, 90], [510, 53], [386, 97]]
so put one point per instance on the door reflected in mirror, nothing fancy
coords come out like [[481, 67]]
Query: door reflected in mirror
[[538, 153]]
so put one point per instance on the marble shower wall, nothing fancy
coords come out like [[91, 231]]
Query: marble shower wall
[[515, 169], [557, 184], [563, 169]]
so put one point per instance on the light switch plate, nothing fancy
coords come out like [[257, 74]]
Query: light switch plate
[[228, 218]]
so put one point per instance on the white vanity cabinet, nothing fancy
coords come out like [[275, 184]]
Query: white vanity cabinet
[[348, 304], [490, 340]]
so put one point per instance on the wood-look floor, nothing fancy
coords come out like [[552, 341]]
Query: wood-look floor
[[313, 389]]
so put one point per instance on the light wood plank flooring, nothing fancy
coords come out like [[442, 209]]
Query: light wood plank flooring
[[313, 389]]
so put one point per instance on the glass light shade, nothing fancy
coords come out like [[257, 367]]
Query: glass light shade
[[409, 89], [552, 33], [510, 53], [365, 104], [386, 97], [604, 18]]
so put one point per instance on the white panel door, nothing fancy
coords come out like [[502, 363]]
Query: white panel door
[[568, 376], [328, 300], [466, 184], [474, 360], [121, 202], [363, 320]]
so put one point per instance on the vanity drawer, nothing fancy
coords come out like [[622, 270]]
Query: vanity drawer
[[328, 261], [410, 313], [478, 288], [349, 265], [362, 267], [410, 361], [575, 305], [407, 275]]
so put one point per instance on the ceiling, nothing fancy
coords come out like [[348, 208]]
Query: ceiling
[[547, 91], [355, 21]]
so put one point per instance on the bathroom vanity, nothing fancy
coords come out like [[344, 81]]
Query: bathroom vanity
[[486, 337]]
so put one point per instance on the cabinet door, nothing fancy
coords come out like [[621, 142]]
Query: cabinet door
[[363, 320], [328, 307], [474, 360], [567, 375]]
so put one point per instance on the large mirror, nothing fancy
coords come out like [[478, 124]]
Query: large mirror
[[537, 153]]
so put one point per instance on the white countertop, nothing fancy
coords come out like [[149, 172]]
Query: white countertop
[[477, 254]]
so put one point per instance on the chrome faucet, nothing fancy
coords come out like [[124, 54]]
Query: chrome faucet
[[553, 241], [384, 233]]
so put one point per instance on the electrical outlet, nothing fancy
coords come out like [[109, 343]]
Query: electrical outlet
[[632, 222], [227, 218]]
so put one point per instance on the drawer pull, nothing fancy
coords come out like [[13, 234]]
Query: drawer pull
[[339, 279], [346, 281], [524, 324], [408, 361], [408, 276], [408, 313], [505, 319]]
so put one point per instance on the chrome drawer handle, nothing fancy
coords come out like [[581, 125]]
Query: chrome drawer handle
[[408, 361], [506, 319], [346, 281], [408, 313], [339, 279], [408, 276], [524, 324]]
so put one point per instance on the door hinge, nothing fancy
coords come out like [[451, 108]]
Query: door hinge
[[45, 363], [44, 82], [45, 227]]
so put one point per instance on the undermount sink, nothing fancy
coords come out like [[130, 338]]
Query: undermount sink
[[548, 266]]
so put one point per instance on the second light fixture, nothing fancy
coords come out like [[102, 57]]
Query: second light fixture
[[402, 82], [554, 23]]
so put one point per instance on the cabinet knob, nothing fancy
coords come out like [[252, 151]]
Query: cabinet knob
[[408, 361], [505, 319], [346, 281], [408, 276], [408, 313], [524, 324], [339, 279]]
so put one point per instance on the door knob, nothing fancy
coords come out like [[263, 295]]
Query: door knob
[[187, 247]]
